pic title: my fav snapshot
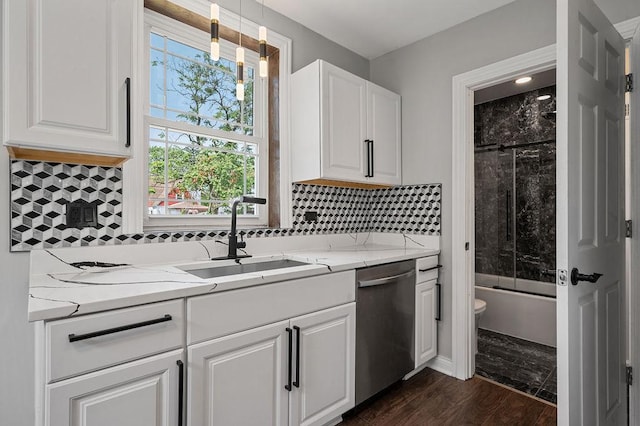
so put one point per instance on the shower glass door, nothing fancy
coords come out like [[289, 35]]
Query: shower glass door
[[515, 217]]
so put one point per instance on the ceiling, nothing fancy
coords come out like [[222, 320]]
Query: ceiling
[[509, 88], [372, 28]]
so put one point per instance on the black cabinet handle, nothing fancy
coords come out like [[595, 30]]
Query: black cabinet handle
[[576, 277], [296, 383], [180, 390], [371, 158], [439, 316], [290, 333], [76, 337], [430, 269], [366, 144], [127, 85]]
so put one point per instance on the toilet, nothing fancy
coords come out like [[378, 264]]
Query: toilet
[[480, 306]]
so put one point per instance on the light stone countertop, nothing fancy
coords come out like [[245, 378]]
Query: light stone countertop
[[69, 290]]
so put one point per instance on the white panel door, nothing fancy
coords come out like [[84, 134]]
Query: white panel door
[[426, 340], [634, 291], [344, 123], [139, 393], [384, 124], [324, 376], [240, 379], [65, 65], [590, 216]]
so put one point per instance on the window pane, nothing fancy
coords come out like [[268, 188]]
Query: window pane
[[201, 175], [189, 86], [157, 41]]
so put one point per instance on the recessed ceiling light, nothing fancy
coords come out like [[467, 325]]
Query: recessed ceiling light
[[523, 80], [544, 97]]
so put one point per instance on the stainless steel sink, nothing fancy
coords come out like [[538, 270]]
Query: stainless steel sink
[[221, 271]]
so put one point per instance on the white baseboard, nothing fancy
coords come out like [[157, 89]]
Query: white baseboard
[[442, 365], [334, 422], [439, 363]]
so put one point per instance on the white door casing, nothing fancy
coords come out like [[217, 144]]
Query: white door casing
[[590, 215]]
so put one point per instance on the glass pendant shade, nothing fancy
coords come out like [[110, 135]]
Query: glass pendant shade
[[215, 29]]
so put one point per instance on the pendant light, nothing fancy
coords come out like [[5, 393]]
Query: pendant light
[[262, 38], [262, 35], [215, 31], [240, 63]]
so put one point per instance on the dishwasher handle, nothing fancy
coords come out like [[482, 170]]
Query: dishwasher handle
[[385, 280]]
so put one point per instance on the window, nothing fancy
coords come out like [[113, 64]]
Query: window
[[205, 148]]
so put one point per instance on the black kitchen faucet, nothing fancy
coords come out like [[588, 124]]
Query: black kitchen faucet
[[234, 244]]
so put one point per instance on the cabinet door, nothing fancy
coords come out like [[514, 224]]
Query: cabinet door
[[325, 385], [384, 124], [239, 379], [344, 124], [140, 393], [65, 64], [426, 327]]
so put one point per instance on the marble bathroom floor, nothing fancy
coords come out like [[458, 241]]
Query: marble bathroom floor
[[519, 364]]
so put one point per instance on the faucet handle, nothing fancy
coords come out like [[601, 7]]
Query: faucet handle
[[242, 243]]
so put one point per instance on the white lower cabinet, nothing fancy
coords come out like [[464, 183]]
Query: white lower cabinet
[[427, 309], [294, 372], [140, 393], [426, 327]]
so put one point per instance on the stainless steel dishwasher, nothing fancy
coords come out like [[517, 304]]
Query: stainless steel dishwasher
[[385, 310]]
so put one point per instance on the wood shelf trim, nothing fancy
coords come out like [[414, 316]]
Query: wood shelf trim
[[32, 154], [344, 184]]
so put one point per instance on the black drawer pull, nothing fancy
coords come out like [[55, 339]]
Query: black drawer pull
[[430, 269], [75, 338], [180, 390]]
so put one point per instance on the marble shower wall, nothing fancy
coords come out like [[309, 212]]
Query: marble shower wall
[[515, 187]]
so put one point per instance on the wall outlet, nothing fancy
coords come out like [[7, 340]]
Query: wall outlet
[[311, 217], [82, 214]]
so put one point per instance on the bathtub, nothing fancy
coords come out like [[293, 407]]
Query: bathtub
[[522, 315]]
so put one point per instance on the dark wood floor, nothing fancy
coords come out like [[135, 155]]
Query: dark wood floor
[[432, 398]]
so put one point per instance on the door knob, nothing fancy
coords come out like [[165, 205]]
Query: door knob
[[576, 277]]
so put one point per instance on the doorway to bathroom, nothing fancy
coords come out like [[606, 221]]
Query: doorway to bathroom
[[515, 241]]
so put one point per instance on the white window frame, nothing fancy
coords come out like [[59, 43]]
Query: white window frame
[[167, 27], [135, 211]]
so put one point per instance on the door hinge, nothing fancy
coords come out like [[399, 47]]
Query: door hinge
[[627, 110], [629, 228], [629, 375], [628, 83], [466, 246]]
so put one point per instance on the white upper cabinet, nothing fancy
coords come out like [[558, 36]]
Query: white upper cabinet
[[384, 132], [65, 67], [344, 128]]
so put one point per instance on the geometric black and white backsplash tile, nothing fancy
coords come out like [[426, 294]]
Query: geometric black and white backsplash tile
[[40, 192], [39, 195]]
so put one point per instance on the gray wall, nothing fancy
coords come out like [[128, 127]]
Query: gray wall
[[422, 73], [307, 45]]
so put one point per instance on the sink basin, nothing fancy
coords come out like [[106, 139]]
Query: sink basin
[[221, 271]]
